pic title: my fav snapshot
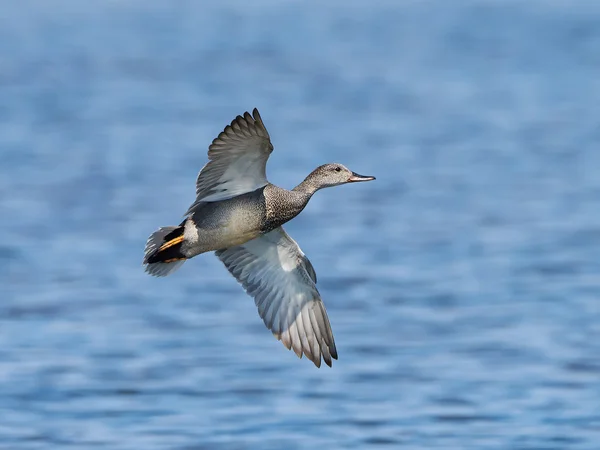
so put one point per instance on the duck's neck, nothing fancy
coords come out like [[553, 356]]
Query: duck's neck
[[307, 187], [283, 205]]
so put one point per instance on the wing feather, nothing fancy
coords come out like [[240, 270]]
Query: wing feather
[[281, 279], [237, 161]]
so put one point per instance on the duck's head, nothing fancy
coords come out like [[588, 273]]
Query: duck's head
[[334, 174]]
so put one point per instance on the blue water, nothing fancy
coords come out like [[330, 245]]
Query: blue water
[[462, 285]]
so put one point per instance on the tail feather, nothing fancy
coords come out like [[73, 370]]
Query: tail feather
[[162, 255]]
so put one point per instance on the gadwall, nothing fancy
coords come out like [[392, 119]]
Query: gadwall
[[239, 215]]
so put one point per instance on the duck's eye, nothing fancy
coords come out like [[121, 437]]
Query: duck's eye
[[338, 169]]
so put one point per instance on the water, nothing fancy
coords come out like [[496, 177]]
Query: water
[[462, 285]]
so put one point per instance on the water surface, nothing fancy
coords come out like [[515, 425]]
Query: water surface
[[462, 285]]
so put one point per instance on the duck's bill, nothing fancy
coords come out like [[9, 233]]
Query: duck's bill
[[356, 177]]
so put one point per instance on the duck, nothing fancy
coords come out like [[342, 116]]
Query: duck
[[238, 214]]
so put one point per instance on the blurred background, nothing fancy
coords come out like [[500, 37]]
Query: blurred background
[[462, 285]]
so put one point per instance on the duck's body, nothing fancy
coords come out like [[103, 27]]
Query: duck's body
[[227, 223], [238, 214]]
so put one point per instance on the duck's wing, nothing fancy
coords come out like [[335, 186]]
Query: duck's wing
[[274, 271], [237, 160]]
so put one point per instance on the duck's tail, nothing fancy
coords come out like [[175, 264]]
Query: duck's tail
[[163, 251]]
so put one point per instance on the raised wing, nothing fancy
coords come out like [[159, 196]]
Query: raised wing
[[237, 161], [274, 271]]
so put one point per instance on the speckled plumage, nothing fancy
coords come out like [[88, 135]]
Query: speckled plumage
[[282, 206], [239, 219], [226, 223], [239, 214]]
